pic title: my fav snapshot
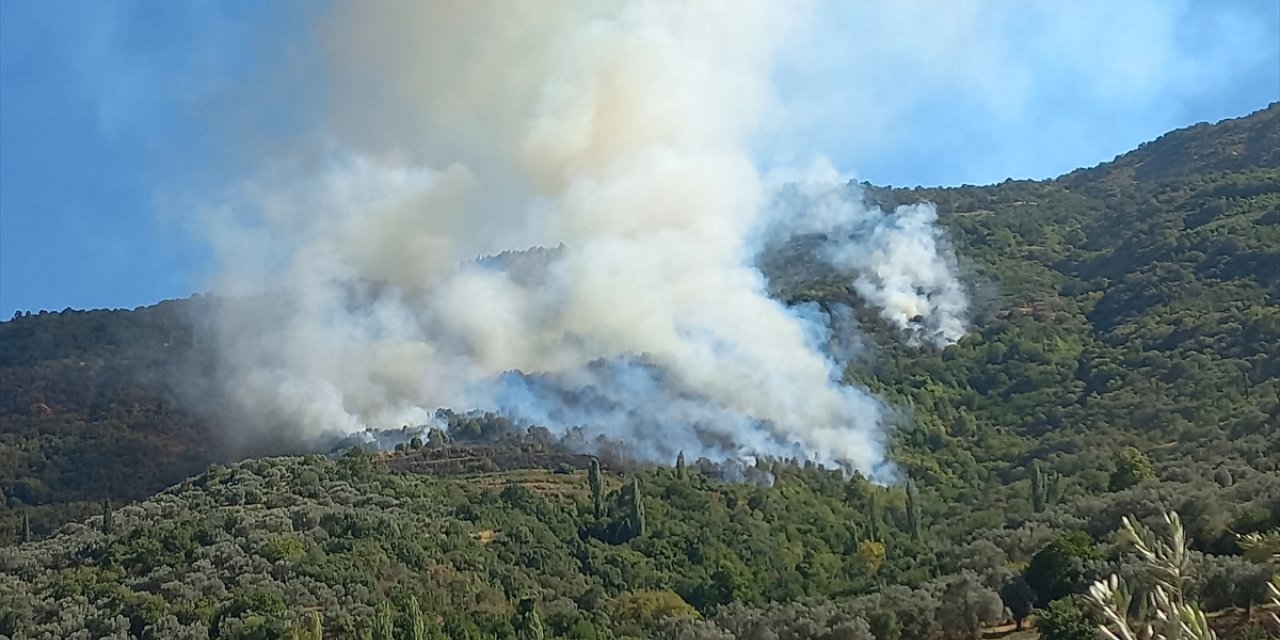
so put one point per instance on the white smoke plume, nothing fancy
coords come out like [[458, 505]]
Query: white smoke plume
[[618, 133], [900, 263]]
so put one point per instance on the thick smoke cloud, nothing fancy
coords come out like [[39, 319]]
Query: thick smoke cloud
[[619, 138], [900, 263]]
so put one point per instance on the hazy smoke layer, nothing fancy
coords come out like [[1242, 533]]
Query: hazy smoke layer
[[618, 133]]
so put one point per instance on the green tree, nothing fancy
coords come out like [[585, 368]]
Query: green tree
[[680, 470], [647, 608], [1019, 599], [1037, 488], [1067, 619], [437, 438], [10, 622], [638, 525], [1045, 487], [727, 585], [108, 519], [416, 621], [873, 515], [1132, 467], [1053, 488], [528, 622], [913, 511], [597, 488], [309, 629], [1058, 570], [384, 623], [967, 606], [884, 624]]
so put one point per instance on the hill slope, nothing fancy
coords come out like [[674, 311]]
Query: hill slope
[[1137, 302], [1126, 351], [1142, 312], [90, 409]]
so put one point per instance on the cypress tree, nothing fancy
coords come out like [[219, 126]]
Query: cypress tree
[[873, 515], [314, 626], [309, 628], [384, 623], [680, 473], [1045, 487], [24, 533], [417, 623], [637, 509], [108, 518], [913, 510], [1053, 488], [529, 621], [597, 488], [1037, 488]]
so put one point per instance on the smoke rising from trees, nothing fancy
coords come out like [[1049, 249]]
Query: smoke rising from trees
[[622, 137]]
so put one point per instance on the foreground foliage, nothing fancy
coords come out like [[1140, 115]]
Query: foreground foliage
[[254, 549]]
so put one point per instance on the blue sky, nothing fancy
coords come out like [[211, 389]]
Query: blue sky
[[113, 112]]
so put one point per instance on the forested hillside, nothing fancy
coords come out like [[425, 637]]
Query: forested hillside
[[1124, 359], [90, 409], [1134, 304]]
